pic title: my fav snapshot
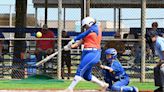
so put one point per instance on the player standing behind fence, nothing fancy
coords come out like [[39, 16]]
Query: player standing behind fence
[[159, 68], [91, 39], [115, 75], [66, 57]]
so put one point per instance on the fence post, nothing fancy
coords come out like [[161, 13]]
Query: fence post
[[46, 11], [36, 17], [114, 25], [119, 19], [10, 18], [143, 47], [59, 38], [88, 8]]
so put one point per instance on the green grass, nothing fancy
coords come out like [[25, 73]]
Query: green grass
[[43, 84], [143, 86]]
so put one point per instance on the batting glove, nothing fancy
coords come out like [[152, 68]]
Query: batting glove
[[67, 48], [71, 42]]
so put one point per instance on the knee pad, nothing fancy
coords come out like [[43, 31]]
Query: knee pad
[[87, 78]]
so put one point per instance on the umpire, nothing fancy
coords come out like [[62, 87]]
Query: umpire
[[148, 40], [159, 68]]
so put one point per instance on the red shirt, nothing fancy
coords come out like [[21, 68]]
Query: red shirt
[[93, 40], [46, 44]]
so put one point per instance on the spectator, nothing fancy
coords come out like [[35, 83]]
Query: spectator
[[155, 28], [1, 46], [66, 57], [137, 53], [44, 47], [158, 43], [4, 46], [118, 45], [148, 40]]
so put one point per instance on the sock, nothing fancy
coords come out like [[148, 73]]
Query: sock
[[75, 81], [95, 80]]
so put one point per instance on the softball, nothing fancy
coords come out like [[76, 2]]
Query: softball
[[38, 34]]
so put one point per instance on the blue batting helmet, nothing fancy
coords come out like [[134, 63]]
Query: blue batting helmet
[[112, 52]]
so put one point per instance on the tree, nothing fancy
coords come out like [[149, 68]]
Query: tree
[[19, 46]]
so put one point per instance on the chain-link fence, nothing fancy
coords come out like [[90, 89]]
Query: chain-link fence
[[128, 45], [129, 54], [21, 64]]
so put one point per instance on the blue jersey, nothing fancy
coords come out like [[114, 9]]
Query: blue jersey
[[118, 70], [159, 47]]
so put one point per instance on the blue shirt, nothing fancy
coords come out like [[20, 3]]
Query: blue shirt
[[93, 28], [159, 47], [118, 70]]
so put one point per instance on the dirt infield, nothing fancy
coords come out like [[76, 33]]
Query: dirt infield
[[54, 91]]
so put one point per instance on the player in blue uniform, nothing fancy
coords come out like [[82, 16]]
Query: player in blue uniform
[[115, 75], [91, 53], [159, 68]]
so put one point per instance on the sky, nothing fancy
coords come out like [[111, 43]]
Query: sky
[[12, 2], [99, 14]]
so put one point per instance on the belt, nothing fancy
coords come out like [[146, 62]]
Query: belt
[[90, 49]]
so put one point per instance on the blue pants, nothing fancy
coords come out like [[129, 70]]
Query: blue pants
[[117, 85], [88, 60], [122, 83]]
